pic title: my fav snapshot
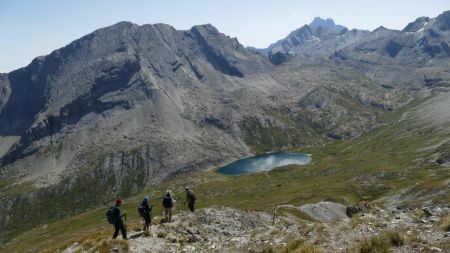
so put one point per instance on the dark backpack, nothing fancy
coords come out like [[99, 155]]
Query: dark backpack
[[141, 210], [167, 202], [192, 196], [110, 215]]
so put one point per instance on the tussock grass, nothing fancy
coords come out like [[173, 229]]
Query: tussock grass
[[136, 228], [92, 242], [395, 238], [107, 245], [381, 243], [295, 246], [87, 240], [355, 220], [376, 244], [307, 248], [268, 250], [414, 238], [104, 245], [291, 247], [445, 222]]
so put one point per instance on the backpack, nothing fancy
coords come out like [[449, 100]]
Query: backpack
[[141, 209], [167, 202], [192, 196], [110, 215]]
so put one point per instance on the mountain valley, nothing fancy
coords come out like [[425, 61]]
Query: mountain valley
[[129, 110]]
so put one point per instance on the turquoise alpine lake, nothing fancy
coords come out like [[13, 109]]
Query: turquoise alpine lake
[[264, 162]]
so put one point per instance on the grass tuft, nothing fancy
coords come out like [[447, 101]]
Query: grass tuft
[[293, 247], [307, 248], [382, 243], [445, 223], [376, 244], [394, 238]]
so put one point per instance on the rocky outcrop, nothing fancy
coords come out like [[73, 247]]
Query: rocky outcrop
[[443, 21], [324, 211], [361, 207], [221, 229], [393, 48], [214, 56], [278, 58], [418, 24]]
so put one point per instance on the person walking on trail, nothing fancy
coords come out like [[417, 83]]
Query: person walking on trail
[[190, 198], [119, 221], [145, 210], [168, 203]]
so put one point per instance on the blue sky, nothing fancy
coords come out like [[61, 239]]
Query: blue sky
[[30, 28]]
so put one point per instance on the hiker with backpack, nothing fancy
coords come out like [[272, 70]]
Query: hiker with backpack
[[145, 210], [168, 202], [116, 217], [190, 198]]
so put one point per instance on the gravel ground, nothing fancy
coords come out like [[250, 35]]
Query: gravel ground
[[222, 229]]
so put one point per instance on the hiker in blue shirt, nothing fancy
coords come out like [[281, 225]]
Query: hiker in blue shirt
[[145, 210], [119, 221]]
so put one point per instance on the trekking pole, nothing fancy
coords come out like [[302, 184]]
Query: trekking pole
[[275, 216]]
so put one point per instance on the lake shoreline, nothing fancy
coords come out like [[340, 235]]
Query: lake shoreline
[[264, 162]]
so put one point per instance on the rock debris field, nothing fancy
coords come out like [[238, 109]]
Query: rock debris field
[[223, 229]]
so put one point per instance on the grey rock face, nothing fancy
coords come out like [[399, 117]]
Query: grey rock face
[[324, 211], [278, 58], [443, 21], [416, 25], [122, 108], [307, 36], [115, 69]]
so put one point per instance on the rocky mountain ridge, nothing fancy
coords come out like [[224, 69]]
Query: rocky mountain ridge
[[422, 39]]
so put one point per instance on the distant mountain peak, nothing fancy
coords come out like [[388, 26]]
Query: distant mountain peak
[[416, 25], [328, 23], [380, 28], [443, 21], [207, 26], [321, 22]]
